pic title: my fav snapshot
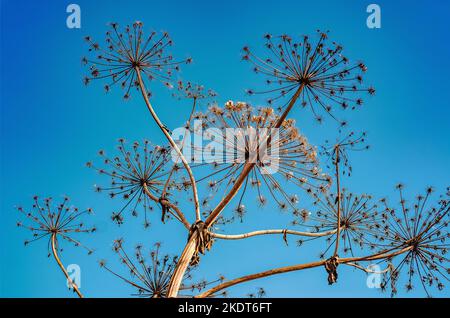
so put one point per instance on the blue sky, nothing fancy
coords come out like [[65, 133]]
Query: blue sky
[[51, 125]]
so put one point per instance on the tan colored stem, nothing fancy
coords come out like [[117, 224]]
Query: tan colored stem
[[265, 232], [55, 255], [171, 206], [166, 185], [171, 141], [292, 268], [182, 265], [338, 198]]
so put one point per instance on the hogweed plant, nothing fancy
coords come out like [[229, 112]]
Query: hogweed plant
[[268, 160], [150, 274], [56, 223]]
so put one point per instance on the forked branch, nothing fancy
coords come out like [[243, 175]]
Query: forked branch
[[189, 249]]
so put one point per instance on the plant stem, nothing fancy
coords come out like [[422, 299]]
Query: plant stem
[[171, 141], [264, 232], [189, 249], [182, 265], [292, 268], [55, 255], [166, 185], [338, 199]]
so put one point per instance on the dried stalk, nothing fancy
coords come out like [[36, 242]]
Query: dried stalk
[[166, 185], [265, 232], [338, 202], [250, 165], [171, 141], [381, 255], [189, 249], [55, 255], [182, 265]]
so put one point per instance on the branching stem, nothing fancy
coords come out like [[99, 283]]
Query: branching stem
[[189, 249]]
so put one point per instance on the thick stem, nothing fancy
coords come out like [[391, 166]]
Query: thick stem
[[265, 232], [171, 141], [182, 265], [338, 201], [55, 255], [381, 255]]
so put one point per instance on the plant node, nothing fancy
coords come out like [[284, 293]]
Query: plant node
[[331, 267], [203, 243]]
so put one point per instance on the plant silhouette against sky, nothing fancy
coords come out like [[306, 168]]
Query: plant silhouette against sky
[[407, 238]]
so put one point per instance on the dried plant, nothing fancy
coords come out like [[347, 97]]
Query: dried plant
[[138, 177], [422, 229], [193, 91], [338, 152], [360, 220], [260, 293], [130, 58], [315, 74], [56, 223], [127, 51], [294, 161], [150, 274], [410, 241]]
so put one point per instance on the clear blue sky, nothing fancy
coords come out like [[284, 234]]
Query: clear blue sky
[[51, 125]]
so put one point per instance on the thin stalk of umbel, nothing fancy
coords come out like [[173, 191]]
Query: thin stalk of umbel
[[55, 255], [298, 267], [189, 249], [338, 200], [166, 185], [171, 141]]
